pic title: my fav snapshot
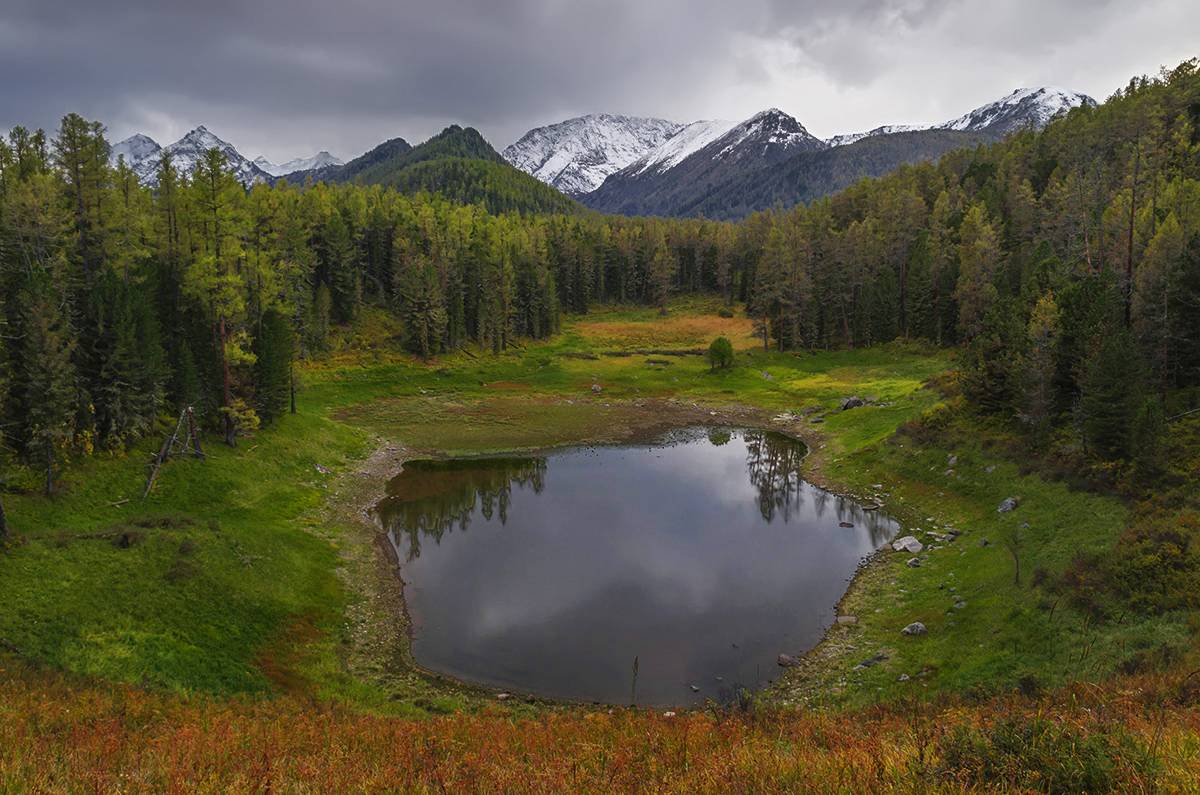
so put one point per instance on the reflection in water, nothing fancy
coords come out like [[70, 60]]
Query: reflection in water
[[433, 496], [705, 556]]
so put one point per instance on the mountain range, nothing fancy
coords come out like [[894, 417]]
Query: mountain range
[[633, 165], [725, 169]]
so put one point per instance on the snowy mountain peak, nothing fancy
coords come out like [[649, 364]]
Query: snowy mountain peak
[[189, 150], [887, 129], [691, 139], [1024, 107], [319, 160], [578, 154], [140, 152], [768, 133]]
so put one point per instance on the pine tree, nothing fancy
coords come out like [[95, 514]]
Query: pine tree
[[274, 348], [661, 269], [215, 279], [49, 392], [421, 307], [1040, 364], [978, 260], [1110, 395]]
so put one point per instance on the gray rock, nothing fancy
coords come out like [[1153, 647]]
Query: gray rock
[[1008, 504], [852, 402], [872, 661], [786, 661], [908, 544], [959, 605], [596, 388], [952, 460], [984, 542], [903, 678], [913, 563], [915, 628], [847, 619]]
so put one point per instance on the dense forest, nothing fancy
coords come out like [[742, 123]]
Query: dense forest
[[1066, 263]]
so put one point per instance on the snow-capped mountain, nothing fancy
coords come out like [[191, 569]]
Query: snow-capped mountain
[[703, 154], [685, 143], [1025, 107], [319, 160], [887, 129], [187, 152], [577, 155], [142, 154], [767, 135]]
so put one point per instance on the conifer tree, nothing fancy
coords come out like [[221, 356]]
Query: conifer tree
[[48, 382], [978, 259], [1110, 396], [215, 279], [274, 348]]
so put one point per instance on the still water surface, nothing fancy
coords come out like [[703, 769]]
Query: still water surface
[[703, 555]]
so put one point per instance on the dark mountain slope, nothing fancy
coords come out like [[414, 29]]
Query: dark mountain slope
[[457, 163], [811, 175]]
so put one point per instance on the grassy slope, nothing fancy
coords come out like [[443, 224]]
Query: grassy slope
[[252, 599]]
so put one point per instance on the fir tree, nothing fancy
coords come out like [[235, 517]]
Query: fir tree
[[1110, 395], [49, 391], [274, 348]]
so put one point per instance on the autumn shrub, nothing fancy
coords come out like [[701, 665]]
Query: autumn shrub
[[1045, 755]]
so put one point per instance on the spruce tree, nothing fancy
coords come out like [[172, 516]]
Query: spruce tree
[[49, 390], [274, 348], [421, 307], [1111, 395]]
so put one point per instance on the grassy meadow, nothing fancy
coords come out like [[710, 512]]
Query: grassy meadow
[[236, 627]]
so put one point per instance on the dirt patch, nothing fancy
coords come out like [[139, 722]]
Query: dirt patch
[[278, 660]]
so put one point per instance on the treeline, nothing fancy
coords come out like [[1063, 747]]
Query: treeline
[[1066, 263], [120, 303]]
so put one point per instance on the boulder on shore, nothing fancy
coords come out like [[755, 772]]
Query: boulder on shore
[[852, 402], [915, 628], [786, 660], [908, 544]]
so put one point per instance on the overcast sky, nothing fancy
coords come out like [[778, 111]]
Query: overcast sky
[[287, 78]]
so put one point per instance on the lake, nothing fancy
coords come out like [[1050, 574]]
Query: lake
[[702, 555]]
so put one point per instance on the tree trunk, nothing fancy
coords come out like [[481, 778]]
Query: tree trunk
[[49, 450], [1137, 164], [226, 385]]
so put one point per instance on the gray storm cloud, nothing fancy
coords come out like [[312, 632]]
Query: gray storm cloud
[[288, 78]]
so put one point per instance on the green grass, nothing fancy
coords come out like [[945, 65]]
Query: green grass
[[192, 603], [1007, 634], [233, 588]]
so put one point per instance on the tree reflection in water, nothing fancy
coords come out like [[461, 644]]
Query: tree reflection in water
[[773, 463], [430, 497]]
